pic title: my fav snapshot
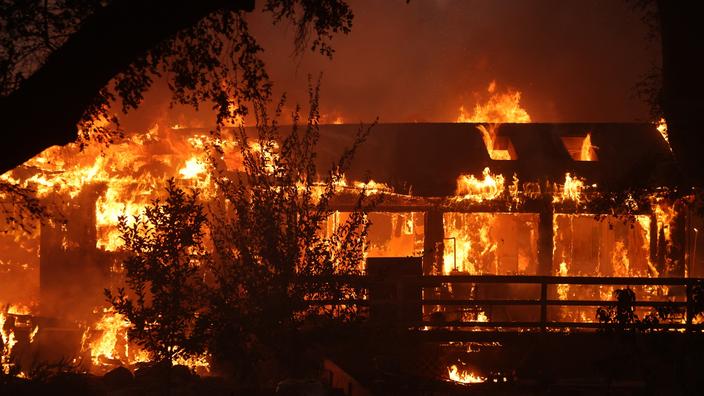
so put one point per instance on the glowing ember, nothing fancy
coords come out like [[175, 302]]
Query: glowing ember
[[587, 152], [463, 376], [473, 189], [372, 187], [200, 364], [108, 345], [562, 290], [33, 334], [18, 309], [620, 261], [8, 342], [661, 126], [571, 190], [107, 338], [481, 317], [492, 143], [193, 168], [644, 221], [664, 215]]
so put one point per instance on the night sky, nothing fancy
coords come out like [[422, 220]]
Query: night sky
[[573, 60]]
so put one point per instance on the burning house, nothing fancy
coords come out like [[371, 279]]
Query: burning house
[[489, 197], [518, 199]]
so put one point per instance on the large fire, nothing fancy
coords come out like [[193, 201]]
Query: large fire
[[9, 324], [490, 187], [126, 176], [499, 108]]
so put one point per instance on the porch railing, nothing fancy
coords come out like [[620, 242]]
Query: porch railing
[[682, 297]]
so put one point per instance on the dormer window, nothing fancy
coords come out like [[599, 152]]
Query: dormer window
[[498, 147], [580, 148]]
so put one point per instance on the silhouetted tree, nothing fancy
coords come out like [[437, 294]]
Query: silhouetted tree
[[63, 63], [271, 247], [164, 273], [19, 207], [248, 301]]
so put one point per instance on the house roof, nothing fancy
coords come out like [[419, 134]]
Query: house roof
[[428, 158]]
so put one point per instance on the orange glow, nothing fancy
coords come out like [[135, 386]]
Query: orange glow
[[192, 169], [620, 261], [571, 190], [372, 187], [463, 376], [563, 290], [481, 317], [486, 189], [8, 342], [499, 108], [107, 338], [18, 309], [661, 126], [664, 215], [479, 237], [587, 152], [498, 148], [108, 345]]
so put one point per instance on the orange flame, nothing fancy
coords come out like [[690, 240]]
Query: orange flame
[[107, 338], [587, 152], [473, 189], [463, 376], [571, 190], [661, 126], [8, 342], [499, 108]]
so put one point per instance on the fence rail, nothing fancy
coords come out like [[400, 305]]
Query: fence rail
[[686, 296]]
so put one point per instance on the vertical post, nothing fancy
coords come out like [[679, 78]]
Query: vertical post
[[545, 237], [690, 313], [401, 303], [654, 239], [434, 234], [543, 305]]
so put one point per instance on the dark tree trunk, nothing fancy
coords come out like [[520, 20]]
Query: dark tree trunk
[[44, 111], [683, 83]]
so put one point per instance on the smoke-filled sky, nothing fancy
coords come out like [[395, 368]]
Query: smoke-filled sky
[[573, 60]]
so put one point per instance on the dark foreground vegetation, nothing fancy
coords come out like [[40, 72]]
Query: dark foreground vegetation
[[389, 363]]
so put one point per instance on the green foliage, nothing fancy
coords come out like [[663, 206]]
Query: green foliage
[[164, 274]]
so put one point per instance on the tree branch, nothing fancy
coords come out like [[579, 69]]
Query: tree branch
[[45, 109]]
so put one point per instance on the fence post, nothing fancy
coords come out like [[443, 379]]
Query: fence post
[[690, 314], [400, 299], [543, 304]]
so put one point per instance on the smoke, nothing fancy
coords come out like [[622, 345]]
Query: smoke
[[572, 60]]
